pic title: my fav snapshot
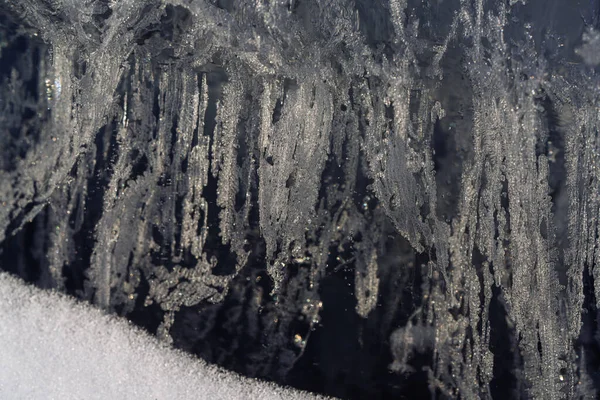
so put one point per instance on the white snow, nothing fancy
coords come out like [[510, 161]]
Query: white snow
[[53, 347]]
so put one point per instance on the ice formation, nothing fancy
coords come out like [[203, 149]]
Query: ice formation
[[382, 192]]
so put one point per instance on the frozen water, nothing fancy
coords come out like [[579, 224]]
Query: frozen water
[[56, 348], [363, 198]]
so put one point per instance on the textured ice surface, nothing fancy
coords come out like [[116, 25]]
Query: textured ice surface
[[55, 348], [358, 197]]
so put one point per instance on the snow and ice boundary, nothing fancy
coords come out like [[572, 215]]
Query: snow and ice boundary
[[54, 347]]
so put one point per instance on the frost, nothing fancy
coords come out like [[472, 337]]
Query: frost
[[590, 49], [364, 198]]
